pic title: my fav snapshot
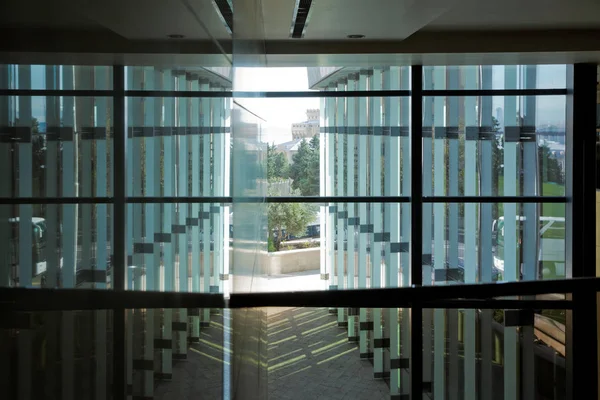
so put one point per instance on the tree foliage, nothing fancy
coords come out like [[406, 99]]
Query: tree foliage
[[277, 164], [305, 168], [291, 218]]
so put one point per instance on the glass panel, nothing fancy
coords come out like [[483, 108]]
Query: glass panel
[[56, 77], [485, 354], [467, 151], [57, 354], [179, 146], [460, 241], [496, 77], [56, 246], [337, 146], [310, 354], [273, 79], [180, 247], [177, 353], [56, 146], [208, 78]]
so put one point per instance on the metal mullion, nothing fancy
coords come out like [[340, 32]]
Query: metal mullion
[[376, 216], [119, 170], [530, 234], [417, 172], [324, 93], [511, 229], [196, 180], [486, 188], [58, 92], [493, 92], [6, 278], [581, 335], [351, 123], [340, 117], [362, 191], [470, 235], [180, 94], [439, 233], [453, 229], [426, 180]]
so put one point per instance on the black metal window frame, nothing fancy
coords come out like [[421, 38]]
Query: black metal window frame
[[581, 287]]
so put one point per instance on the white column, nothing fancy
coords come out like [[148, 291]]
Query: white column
[[351, 135], [391, 79], [377, 237], [217, 210], [439, 233], [180, 345], [323, 149], [24, 148], [340, 124], [365, 350], [487, 141], [470, 230], [206, 191], [330, 188], [168, 221], [69, 233], [405, 229], [530, 234], [102, 110], [427, 220], [196, 207], [511, 258], [453, 229]]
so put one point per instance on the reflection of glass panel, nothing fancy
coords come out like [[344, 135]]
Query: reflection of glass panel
[[523, 250], [62, 354], [48, 151], [460, 133], [219, 76], [529, 77], [40, 77], [61, 246], [482, 354]]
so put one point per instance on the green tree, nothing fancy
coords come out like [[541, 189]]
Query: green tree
[[304, 170], [553, 170], [277, 164], [293, 218]]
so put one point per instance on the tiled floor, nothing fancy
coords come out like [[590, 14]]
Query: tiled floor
[[309, 356]]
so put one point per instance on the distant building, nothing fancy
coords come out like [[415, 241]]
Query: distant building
[[289, 148], [500, 117], [309, 128]]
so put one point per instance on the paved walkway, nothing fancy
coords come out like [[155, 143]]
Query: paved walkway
[[309, 356]]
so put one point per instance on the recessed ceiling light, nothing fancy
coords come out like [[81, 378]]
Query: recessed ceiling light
[[355, 36], [175, 36]]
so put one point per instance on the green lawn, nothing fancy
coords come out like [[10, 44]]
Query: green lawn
[[548, 189]]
